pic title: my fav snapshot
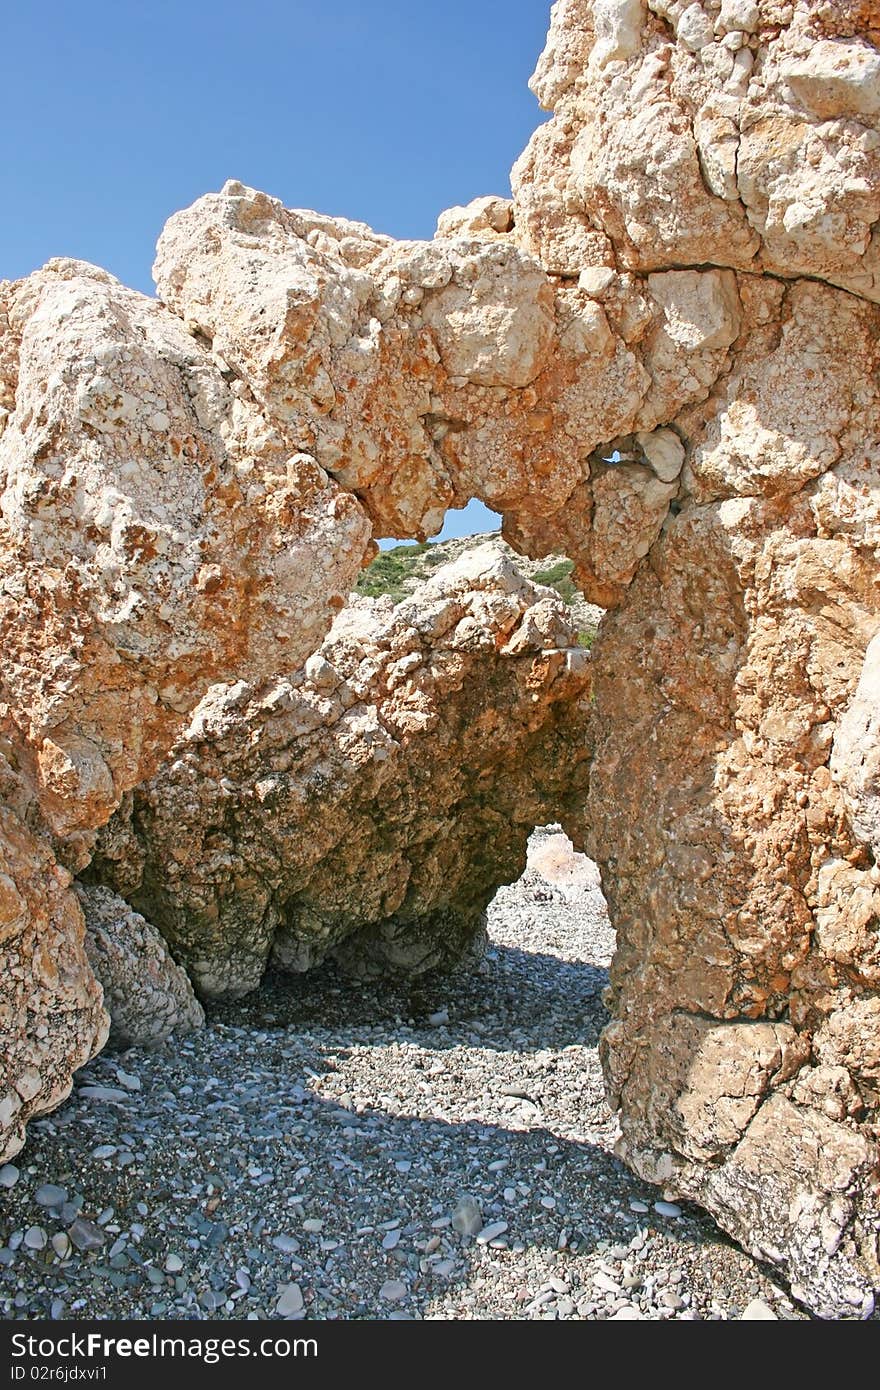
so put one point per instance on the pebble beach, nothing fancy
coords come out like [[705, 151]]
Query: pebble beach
[[440, 1149]]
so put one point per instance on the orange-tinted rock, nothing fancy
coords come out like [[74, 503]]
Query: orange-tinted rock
[[368, 806]]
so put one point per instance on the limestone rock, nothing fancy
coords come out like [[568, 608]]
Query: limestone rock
[[682, 135], [660, 361], [855, 754], [51, 1015], [740, 891], [422, 373], [156, 538], [148, 996], [481, 216], [368, 806]]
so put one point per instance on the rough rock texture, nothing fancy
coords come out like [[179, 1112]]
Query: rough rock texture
[[155, 537], [51, 1012], [148, 996], [741, 134], [732, 804], [855, 752], [659, 359], [420, 374], [369, 806]]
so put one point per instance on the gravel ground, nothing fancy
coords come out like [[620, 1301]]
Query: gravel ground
[[324, 1150]]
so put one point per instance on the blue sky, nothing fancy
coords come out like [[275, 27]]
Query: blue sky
[[114, 115]]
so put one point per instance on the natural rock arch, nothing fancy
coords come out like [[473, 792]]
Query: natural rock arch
[[661, 360]]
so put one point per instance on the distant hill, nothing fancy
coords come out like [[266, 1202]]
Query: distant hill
[[404, 567]]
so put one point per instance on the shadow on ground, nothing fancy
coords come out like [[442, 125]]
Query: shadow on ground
[[512, 999]]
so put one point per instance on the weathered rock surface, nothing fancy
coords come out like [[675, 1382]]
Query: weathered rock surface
[[735, 134], [147, 994], [51, 1012], [661, 360], [155, 537], [420, 374], [736, 847], [855, 752], [369, 806]]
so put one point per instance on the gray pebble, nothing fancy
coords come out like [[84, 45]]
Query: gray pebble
[[290, 1301], [102, 1093], [85, 1235], [288, 1245], [393, 1290], [50, 1195], [467, 1217], [491, 1232]]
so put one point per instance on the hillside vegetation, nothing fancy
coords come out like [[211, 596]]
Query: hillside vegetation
[[401, 569]]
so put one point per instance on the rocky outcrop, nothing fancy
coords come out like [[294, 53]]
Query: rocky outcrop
[[729, 809], [660, 359], [51, 1010], [368, 806], [736, 134], [158, 537], [155, 537], [420, 374], [147, 994], [743, 994]]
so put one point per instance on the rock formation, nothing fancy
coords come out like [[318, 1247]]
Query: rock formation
[[368, 806], [51, 1012], [155, 537], [659, 359], [148, 995]]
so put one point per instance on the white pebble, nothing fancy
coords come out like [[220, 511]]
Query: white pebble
[[491, 1232], [758, 1311]]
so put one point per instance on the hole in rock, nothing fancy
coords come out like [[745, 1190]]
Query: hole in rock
[[548, 947], [474, 519], [402, 566], [444, 1143], [438, 1143]]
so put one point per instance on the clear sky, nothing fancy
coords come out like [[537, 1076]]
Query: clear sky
[[115, 113]]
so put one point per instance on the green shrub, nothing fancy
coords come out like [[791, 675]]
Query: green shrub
[[388, 571], [558, 577]]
